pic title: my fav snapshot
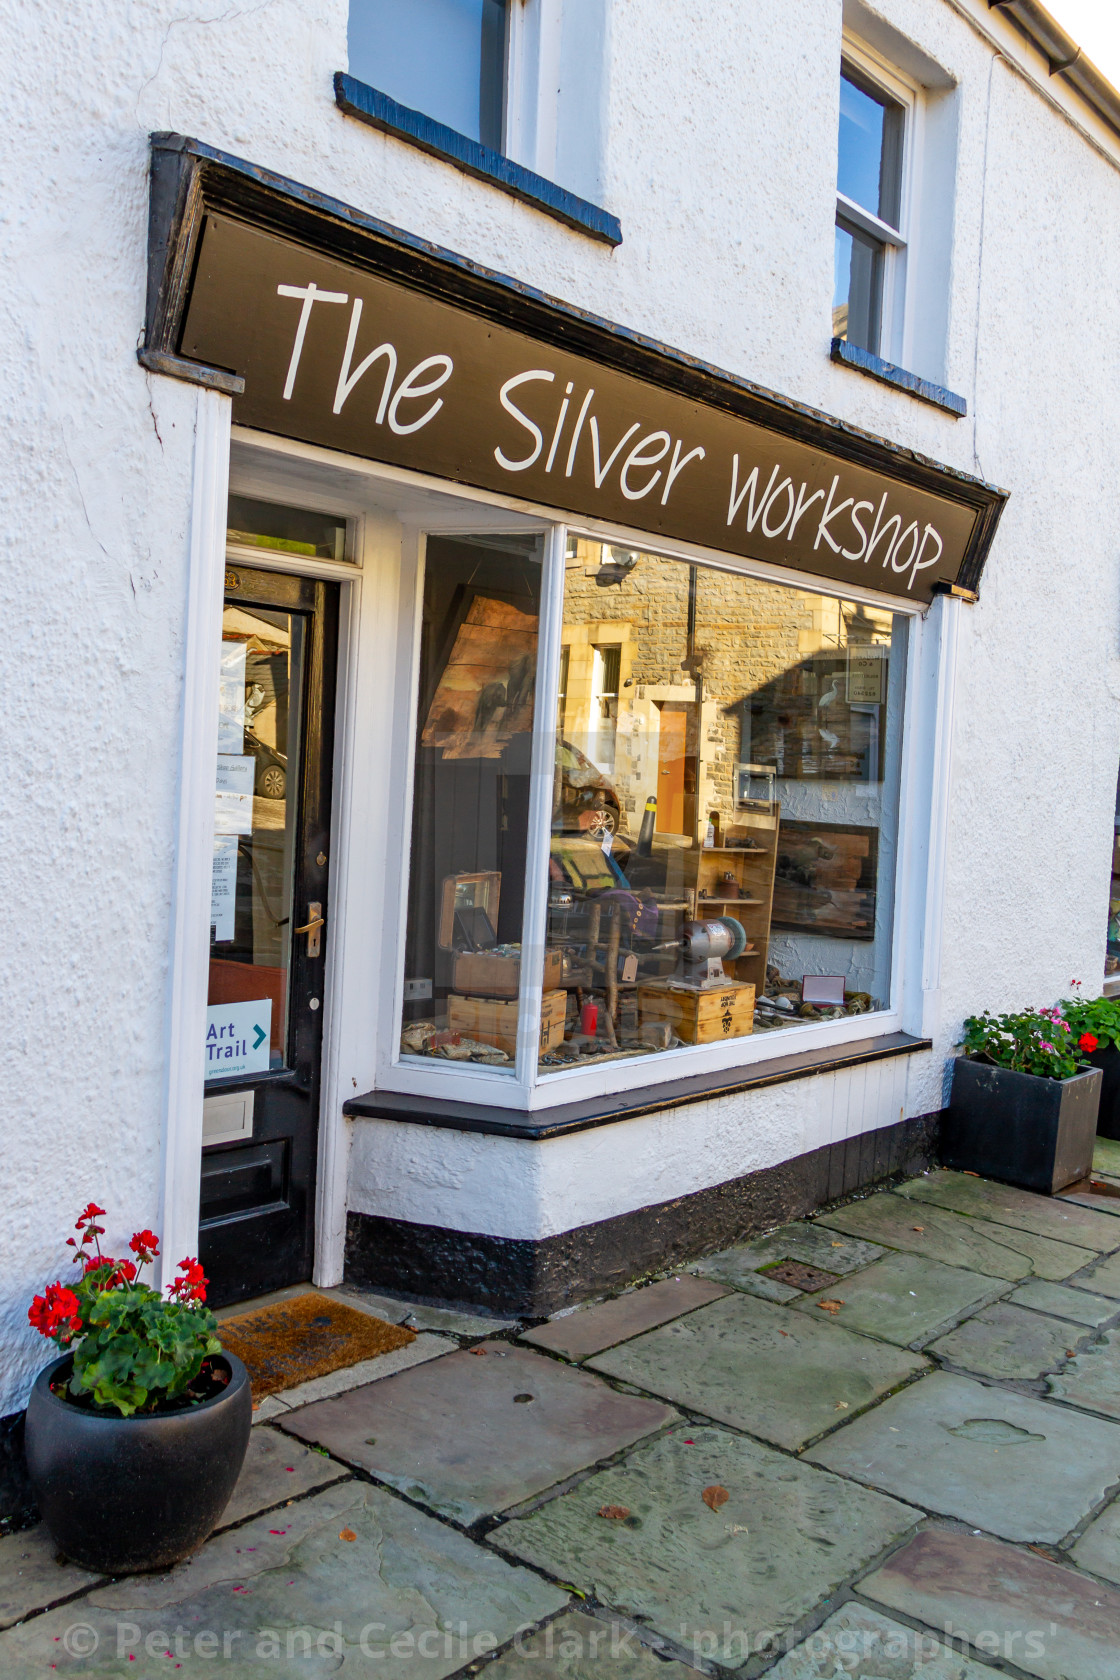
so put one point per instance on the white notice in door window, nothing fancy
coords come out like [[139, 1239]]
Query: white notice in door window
[[233, 811], [223, 889], [231, 699], [237, 1038]]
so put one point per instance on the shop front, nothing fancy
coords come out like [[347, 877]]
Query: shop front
[[582, 720]]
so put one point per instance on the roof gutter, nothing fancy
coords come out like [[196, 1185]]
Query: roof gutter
[[1064, 57]]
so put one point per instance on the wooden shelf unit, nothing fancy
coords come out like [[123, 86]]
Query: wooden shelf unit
[[703, 869]]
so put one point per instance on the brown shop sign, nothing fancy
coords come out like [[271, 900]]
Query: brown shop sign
[[338, 357]]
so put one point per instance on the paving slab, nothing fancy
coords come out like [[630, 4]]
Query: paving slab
[[592, 1329], [712, 1580], [1096, 1199], [765, 1287], [975, 1244], [1062, 1301], [1092, 1379], [351, 1578], [904, 1298], [803, 1241], [276, 1468], [1003, 1204], [1101, 1279], [580, 1647], [859, 1643], [1010, 1605], [1098, 1549], [1106, 1158], [1021, 1468], [1006, 1341], [476, 1433], [762, 1368], [453, 1321], [31, 1576]]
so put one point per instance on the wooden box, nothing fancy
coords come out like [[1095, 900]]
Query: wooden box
[[700, 1017], [494, 1021], [482, 974]]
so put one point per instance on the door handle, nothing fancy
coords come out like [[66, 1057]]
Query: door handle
[[311, 928]]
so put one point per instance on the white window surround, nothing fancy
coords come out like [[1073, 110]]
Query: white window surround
[[556, 90], [385, 770], [379, 640], [895, 335]]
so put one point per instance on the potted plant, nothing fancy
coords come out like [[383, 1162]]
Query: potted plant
[[136, 1434], [1023, 1107], [1094, 1024]]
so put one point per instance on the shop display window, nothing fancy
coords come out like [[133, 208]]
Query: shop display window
[[470, 822], [723, 837]]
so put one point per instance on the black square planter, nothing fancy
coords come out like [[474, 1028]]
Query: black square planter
[[1019, 1128], [1108, 1119]]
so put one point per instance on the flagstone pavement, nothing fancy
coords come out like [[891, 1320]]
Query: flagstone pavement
[[882, 1443]]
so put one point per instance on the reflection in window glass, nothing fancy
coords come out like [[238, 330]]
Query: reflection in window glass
[[725, 811], [857, 288], [254, 840], [478, 659], [445, 58], [869, 149]]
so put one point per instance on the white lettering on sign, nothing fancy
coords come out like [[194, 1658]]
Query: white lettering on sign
[[648, 451], [523, 420], [311, 295], [779, 509], [388, 408], [636, 464]]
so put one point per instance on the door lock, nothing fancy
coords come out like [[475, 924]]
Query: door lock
[[311, 928]]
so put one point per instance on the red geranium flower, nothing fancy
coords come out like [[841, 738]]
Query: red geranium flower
[[192, 1285], [91, 1212], [145, 1244], [57, 1310], [1087, 1043]]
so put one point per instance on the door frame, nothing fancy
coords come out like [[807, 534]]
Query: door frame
[[184, 1081]]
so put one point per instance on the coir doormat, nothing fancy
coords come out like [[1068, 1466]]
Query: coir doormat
[[308, 1336]]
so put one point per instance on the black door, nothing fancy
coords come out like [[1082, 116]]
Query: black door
[[268, 934]]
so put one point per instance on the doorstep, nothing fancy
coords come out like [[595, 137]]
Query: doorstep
[[590, 1112]]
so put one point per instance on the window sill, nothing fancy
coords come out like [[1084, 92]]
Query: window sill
[[588, 1113], [899, 380], [379, 111]]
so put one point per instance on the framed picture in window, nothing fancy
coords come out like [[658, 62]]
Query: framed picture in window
[[825, 878]]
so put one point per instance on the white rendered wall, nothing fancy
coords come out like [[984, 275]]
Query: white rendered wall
[[513, 1187], [717, 152]]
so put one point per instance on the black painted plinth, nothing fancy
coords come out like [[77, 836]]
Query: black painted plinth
[[531, 1279]]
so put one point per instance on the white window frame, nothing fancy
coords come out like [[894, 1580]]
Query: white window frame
[[533, 55], [895, 327], [371, 821], [525, 1089]]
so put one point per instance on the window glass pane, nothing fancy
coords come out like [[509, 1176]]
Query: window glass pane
[[725, 820], [255, 829], [256, 524], [857, 288], [869, 152], [445, 58], [478, 658]]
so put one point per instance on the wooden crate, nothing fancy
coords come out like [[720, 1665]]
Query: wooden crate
[[494, 1021], [482, 974], [700, 1017]]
